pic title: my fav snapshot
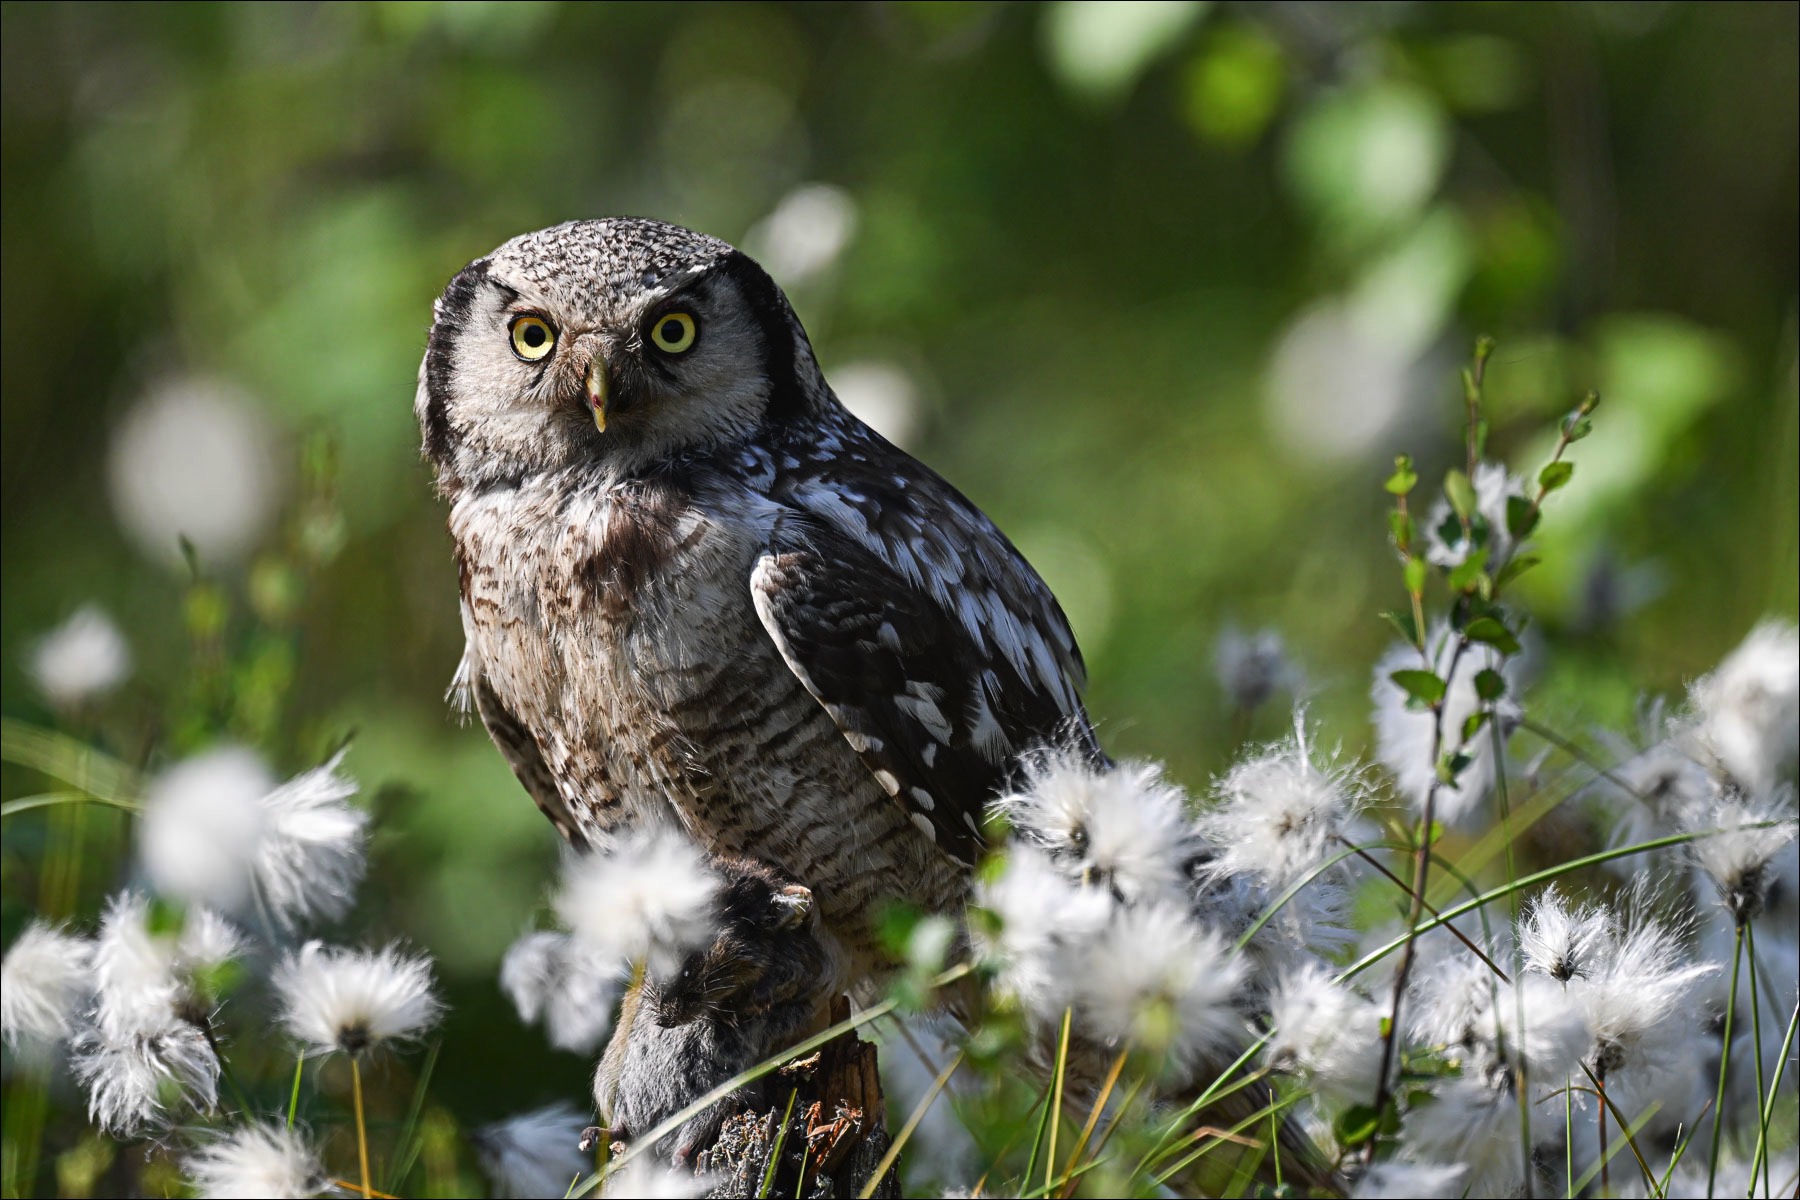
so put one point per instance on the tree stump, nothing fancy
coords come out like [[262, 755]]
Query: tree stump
[[835, 1132]]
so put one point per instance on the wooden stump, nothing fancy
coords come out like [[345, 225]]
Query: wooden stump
[[835, 1133]]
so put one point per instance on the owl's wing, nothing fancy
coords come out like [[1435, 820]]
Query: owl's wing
[[940, 659]]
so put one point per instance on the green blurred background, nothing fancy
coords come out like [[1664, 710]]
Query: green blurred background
[[1162, 287]]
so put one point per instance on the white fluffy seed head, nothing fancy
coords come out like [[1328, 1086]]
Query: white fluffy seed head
[[1277, 815], [1404, 737], [1472, 1123], [1410, 1181], [559, 980], [354, 1001], [1044, 922], [1741, 864], [80, 660], [259, 1159], [1327, 1034], [651, 898], [202, 827], [536, 1153], [45, 981], [138, 1081], [147, 980], [218, 831], [310, 858], [1562, 939], [1492, 1029], [1640, 1000], [1663, 787], [1123, 827], [1156, 981], [1749, 708], [647, 1179]]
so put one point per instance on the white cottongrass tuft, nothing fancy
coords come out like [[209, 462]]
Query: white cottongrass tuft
[[1327, 1034], [1045, 923], [1123, 827], [137, 1081], [195, 459], [311, 856], [536, 1153], [1155, 980], [44, 983], [651, 897], [1639, 1002], [202, 826], [1663, 786], [1278, 816], [80, 660], [1253, 667], [1741, 863], [1445, 542], [148, 1055], [555, 978], [217, 830], [646, 1179], [1410, 1181], [1564, 940], [1492, 1029], [1469, 1123], [1749, 708], [1692, 1177], [1404, 737], [259, 1159], [334, 999], [146, 982]]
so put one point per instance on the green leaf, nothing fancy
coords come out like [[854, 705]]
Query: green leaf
[[1400, 527], [1468, 574], [1473, 725], [1452, 765], [1492, 632], [1357, 1125], [1404, 478], [1577, 427], [1415, 575], [1555, 475], [1517, 567], [1521, 517], [1424, 687], [1490, 684], [1461, 493], [1403, 622]]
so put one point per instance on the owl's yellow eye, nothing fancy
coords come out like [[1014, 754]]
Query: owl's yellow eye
[[674, 332], [532, 337]]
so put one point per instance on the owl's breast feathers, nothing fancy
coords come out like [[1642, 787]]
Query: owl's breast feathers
[[899, 609]]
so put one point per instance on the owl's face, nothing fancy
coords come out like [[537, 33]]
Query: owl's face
[[618, 343]]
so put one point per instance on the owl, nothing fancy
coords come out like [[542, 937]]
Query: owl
[[698, 591]]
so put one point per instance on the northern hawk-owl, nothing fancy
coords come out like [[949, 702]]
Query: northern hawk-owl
[[696, 589]]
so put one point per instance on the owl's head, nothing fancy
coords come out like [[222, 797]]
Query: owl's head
[[619, 343]]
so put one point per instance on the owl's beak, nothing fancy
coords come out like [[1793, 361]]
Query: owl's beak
[[596, 391]]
